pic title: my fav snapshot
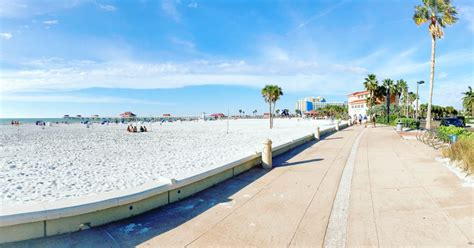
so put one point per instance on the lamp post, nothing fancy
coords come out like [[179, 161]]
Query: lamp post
[[417, 97]]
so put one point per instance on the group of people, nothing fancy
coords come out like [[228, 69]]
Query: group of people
[[363, 119], [15, 123], [134, 129]]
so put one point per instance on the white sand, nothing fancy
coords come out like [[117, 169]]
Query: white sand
[[65, 161]]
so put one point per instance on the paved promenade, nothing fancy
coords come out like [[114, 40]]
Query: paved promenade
[[392, 193]]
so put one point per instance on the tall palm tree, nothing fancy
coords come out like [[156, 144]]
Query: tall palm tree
[[371, 85], [390, 90], [271, 94], [254, 112], [439, 13], [468, 101], [402, 88], [411, 97]]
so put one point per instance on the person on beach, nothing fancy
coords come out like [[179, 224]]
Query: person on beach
[[129, 129], [141, 129], [144, 128], [135, 129]]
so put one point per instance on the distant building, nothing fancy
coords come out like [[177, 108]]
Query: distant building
[[128, 115], [217, 115], [309, 104], [95, 116], [166, 115], [78, 116], [357, 102], [66, 117]]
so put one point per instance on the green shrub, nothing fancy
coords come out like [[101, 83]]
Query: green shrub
[[444, 133], [382, 119], [408, 122]]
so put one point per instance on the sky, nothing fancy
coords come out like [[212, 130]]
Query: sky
[[185, 57]]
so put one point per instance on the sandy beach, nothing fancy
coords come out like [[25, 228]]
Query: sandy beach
[[64, 161]]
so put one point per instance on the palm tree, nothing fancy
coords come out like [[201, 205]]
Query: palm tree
[[468, 101], [439, 13], [402, 89], [371, 85], [254, 112], [390, 89], [271, 94], [298, 112], [411, 97]]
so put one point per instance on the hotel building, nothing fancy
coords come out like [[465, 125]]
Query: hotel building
[[313, 103], [357, 102]]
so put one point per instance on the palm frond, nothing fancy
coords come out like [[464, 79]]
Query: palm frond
[[421, 15]]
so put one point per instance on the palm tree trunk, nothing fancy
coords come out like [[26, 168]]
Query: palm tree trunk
[[270, 116], [430, 99]]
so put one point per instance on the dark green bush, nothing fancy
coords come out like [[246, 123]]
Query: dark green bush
[[382, 119], [444, 132], [408, 122]]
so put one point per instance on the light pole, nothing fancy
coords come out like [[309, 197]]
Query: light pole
[[417, 98]]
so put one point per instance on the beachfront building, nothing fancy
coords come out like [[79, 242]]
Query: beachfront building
[[309, 104], [128, 114], [357, 102], [217, 115]]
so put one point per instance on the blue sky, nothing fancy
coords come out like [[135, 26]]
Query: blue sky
[[188, 56]]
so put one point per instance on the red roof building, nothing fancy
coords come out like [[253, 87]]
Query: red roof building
[[128, 115], [217, 115]]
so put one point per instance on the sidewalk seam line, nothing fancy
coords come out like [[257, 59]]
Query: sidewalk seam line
[[317, 190], [371, 195], [335, 236]]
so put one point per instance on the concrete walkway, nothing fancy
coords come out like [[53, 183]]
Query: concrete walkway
[[397, 194]]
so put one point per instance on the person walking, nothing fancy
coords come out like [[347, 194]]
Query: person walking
[[373, 120]]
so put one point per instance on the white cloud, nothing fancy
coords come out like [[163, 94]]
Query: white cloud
[[467, 14], [6, 36], [78, 99], [169, 8], [319, 14], [183, 43], [275, 53], [193, 5], [50, 22], [293, 75], [28, 8], [107, 7]]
